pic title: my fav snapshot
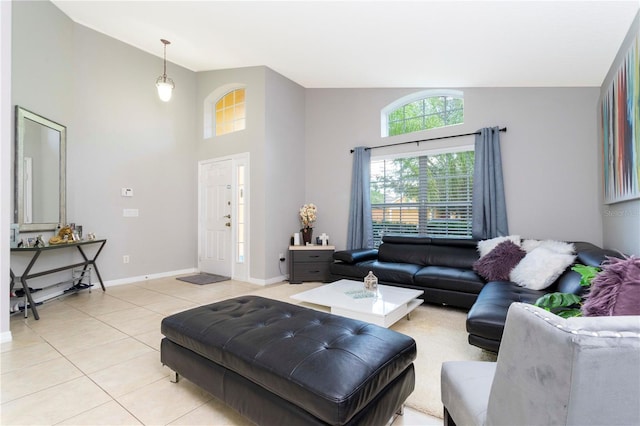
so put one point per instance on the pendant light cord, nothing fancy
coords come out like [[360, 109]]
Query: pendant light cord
[[164, 74]]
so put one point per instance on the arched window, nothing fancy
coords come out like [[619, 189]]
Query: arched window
[[230, 113], [225, 110], [424, 110]]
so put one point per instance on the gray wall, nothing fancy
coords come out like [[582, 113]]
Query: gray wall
[[274, 138], [284, 157], [123, 135], [119, 135], [549, 153], [621, 221], [43, 60]]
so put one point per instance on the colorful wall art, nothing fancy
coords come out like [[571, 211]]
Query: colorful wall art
[[620, 111]]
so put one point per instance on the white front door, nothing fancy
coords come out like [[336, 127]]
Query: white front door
[[216, 250]]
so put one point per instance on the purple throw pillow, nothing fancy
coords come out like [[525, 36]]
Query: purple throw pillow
[[615, 290], [497, 265]]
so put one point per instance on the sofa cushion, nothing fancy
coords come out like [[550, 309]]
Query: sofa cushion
[[394, 272], [356, 271], [569, 282], [355, 256], [487, 316], [497, 265], [464, 388], [453, 279], [454, 256], [416, 254], [406, 239], [456, 253], [590, 255]]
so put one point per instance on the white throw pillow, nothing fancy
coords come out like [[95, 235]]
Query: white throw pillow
[[485, 246], [540, 268], [557, 246], [530, 245]]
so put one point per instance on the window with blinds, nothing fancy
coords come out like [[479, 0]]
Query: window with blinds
[[427, 195]]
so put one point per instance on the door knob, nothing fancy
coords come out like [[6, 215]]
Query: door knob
[[228, 216], [228, 224]]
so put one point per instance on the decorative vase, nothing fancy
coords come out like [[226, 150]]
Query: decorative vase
[[306, 235]]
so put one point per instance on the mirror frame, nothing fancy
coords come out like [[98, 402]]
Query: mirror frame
[[22, 115]]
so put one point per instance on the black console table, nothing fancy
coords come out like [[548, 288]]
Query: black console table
[[37, 251]]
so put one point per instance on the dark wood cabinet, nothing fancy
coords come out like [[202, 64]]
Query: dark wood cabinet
[[310, 263]]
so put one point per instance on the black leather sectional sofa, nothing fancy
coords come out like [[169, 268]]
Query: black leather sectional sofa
[[443, 269], [486, 319]]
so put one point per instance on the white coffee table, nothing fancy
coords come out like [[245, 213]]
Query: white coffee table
[[349, 299]]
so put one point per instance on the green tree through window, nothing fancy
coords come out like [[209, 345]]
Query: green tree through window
[[427, 195], [423, 111]]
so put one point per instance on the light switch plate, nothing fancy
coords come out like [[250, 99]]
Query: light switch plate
[[127, 192], [130, 212]]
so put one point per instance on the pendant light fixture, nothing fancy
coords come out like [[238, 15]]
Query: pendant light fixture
[[164, 84]]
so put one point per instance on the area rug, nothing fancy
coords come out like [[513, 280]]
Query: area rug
[[203, 278], [440, 335]]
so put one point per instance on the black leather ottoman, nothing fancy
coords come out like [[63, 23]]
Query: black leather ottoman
[[277, 363]]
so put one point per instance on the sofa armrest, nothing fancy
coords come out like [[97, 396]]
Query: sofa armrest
[[355, 256]]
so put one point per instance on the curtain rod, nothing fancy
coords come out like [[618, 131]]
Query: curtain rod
[[504, 129]]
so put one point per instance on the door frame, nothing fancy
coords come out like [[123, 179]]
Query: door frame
[[239, 269]]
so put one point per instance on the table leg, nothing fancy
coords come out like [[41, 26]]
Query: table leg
[[30, 303], [93, 263]]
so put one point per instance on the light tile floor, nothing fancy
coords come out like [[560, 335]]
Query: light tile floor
[[93, 359]]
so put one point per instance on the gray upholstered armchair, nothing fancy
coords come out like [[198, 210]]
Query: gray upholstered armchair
[[550, 371]]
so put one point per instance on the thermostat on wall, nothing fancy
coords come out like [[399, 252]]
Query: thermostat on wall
[[127, 192]]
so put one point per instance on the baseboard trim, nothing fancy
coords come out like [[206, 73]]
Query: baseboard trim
[[130, 280], [270, 281], [6, 337]]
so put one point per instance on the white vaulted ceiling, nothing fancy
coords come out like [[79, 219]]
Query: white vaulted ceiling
[[321, 44]]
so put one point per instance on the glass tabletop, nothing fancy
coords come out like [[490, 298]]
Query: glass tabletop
[[56, 246]]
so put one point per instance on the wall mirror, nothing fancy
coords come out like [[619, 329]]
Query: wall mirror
[[40, 172]]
